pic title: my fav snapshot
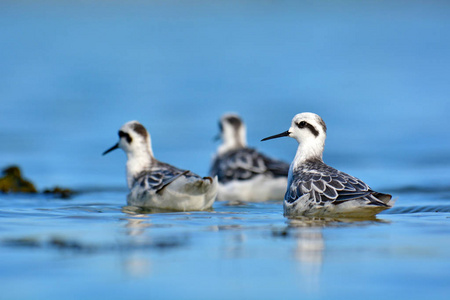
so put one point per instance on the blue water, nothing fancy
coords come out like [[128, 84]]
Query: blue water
[[71, 74]]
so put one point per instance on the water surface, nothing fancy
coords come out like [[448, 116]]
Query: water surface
[[71, 74]]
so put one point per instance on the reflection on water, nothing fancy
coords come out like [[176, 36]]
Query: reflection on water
[[72, 73], [234, 246], [255, 247], [333, 222], [310, 244], [137, 265], [309, 254], [137, 224]]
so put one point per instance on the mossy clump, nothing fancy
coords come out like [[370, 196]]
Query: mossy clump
[[13, 182], [58, 192]]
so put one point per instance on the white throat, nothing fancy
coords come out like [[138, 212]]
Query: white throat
[[139, 159], [233, 139], [312, 148]]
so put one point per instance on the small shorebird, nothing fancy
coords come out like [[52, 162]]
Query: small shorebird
[[155, 184], [244, 173], [316, 189]]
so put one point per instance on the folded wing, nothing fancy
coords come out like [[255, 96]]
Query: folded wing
[[245, 163], [325, 184]]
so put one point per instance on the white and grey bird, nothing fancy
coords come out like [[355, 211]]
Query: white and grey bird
[[244, 173], [155, 184], [316, 189]]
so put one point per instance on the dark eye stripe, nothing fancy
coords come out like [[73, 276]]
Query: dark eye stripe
[[311, 128], [125, 135]]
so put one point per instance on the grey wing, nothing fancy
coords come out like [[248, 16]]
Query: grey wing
[[237, 165], [327, 185], [166, 180], [216, 168], [161, 176], [276, 167], [243, 164]]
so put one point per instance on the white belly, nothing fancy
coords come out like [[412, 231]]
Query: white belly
[[351, 209], [257, 189], [184, 194]]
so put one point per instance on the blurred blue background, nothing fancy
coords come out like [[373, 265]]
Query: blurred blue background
[[72, 73]]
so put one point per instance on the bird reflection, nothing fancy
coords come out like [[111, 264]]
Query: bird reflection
[[140, 242], [137, 225], [310, 245], [308, 252], [234, 246], [136, 264], [321, 222]]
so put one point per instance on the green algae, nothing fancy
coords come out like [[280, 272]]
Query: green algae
[[13, 182]]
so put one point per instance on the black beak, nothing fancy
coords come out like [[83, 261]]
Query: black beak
[[286, 133], [111, 149], [219, 135]]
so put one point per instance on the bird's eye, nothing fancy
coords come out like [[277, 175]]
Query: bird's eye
[[125, 135], [302, 124]]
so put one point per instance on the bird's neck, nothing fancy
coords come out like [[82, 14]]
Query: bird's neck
[[137, 162], [308, 150], [231, 141]]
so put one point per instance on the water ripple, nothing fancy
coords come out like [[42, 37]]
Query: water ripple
[[419, 209]]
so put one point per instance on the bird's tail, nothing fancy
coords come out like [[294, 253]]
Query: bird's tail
[[385, 198], [205, 185]]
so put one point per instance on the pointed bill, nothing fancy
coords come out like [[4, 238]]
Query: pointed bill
[[217, 137], [116, 146], [286, 133]]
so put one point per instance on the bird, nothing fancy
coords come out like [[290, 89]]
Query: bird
[[244, 173], [317, 190], [155, 184]]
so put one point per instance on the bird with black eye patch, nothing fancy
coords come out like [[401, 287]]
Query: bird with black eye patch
[[316, 189], [154, 184], [244, 173]]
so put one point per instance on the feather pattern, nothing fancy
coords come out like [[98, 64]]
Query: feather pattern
[[316, 189], [326, 185], [161, 175], [155, 184], [246, 163]]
